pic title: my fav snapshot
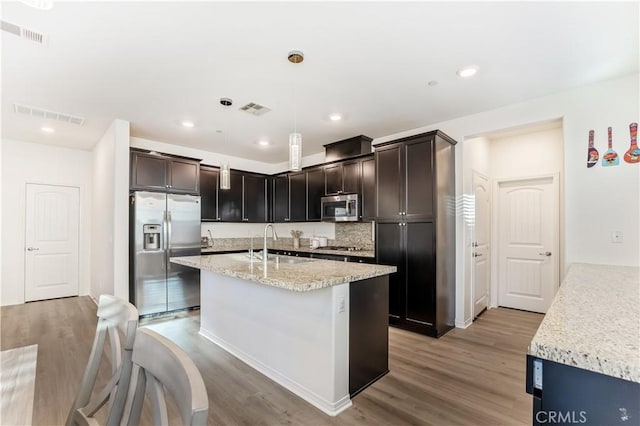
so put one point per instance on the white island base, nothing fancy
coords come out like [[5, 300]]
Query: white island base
[[298, 339]]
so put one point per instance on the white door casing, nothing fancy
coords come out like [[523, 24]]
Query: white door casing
[[51, 241], [480, 245], [528, 242]]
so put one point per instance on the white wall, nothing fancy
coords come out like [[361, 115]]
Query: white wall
[[534, 153], [596, 200], [110, 212], [528, 154], [215, 159], [22, 163]]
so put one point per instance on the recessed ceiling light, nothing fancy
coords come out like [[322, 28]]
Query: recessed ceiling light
[[467, 72], [48, 129], [335, 117], [264, 143], [188, 124]]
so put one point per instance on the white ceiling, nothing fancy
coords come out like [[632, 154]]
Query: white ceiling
[[157, 63]]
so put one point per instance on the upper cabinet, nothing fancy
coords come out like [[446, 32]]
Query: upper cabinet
[[244, 201], [342, 177], [280, 198], [315, 191], [405, 180], [298, 197], [254, 198], [368, 185], [230, 200], [164, 173], [209, 182]]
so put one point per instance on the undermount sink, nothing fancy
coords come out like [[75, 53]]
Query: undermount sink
[[273, 258], [287, 259]]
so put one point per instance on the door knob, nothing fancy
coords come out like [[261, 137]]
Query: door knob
[[477, 254], [32, 248], [546, 253]]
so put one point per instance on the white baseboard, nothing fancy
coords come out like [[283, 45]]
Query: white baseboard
[[330, 408], [464, 324]]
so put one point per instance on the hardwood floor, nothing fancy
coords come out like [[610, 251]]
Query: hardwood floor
[[474, 376]]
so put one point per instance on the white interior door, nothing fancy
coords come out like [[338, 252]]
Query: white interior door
[[51, 241], [480, 245], [528, 217]]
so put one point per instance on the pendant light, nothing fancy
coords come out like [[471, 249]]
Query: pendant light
[[225, 171], [225, 176], [295, 138]]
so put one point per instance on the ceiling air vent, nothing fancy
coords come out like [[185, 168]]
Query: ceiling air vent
[[255, 109], [24, 33], [48, 115]]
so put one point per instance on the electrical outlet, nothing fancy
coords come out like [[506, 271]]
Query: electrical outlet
[[537, 374], [616, 236]]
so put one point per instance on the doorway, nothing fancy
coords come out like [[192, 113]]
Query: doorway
[[52, 217], [527, 235], [481, 242]]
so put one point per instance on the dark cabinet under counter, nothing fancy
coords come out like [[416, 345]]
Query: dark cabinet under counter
[[368, 332]]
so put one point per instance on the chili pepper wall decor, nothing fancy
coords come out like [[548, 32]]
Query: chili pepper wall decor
[[632, 155]]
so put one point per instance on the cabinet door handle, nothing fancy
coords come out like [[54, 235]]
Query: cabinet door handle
[[477, 254], [32, 248], [546, 253]]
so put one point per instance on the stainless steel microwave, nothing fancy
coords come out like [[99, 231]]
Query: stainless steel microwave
[[340, 208]]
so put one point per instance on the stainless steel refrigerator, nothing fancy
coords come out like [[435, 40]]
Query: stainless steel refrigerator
[[163, 226]]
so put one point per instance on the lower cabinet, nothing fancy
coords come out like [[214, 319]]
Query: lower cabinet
[[419, 300], [566, 394], [368, 332]]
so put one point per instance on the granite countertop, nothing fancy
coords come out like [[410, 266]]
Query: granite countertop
[[287, 247], [594, 322], [309, 274]]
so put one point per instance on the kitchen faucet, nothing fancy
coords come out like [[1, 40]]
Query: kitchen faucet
[[264, 248]]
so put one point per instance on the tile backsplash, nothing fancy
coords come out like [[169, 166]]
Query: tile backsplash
[[357, 234]]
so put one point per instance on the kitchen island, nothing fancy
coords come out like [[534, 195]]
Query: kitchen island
[[583, 364], [317, 327]]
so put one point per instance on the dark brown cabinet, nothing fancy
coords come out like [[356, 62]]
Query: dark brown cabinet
[[280, 199], [254, 193], [405, 180], [315, 191], [368, 185], [415, 230], [230, 200], [245, 201], [298, 197], [209, 184], [333, 179], [159, 172], [343, 177]]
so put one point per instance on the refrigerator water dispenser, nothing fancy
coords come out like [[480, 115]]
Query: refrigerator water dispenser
[[151, 237]]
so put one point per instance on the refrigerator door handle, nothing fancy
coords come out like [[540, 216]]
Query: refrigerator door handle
[[164, 230], [168, 230]]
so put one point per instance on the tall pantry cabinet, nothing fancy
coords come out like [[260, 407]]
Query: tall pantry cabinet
[[415, 230]]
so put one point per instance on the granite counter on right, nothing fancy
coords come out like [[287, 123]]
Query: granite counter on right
[[583, 364]]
